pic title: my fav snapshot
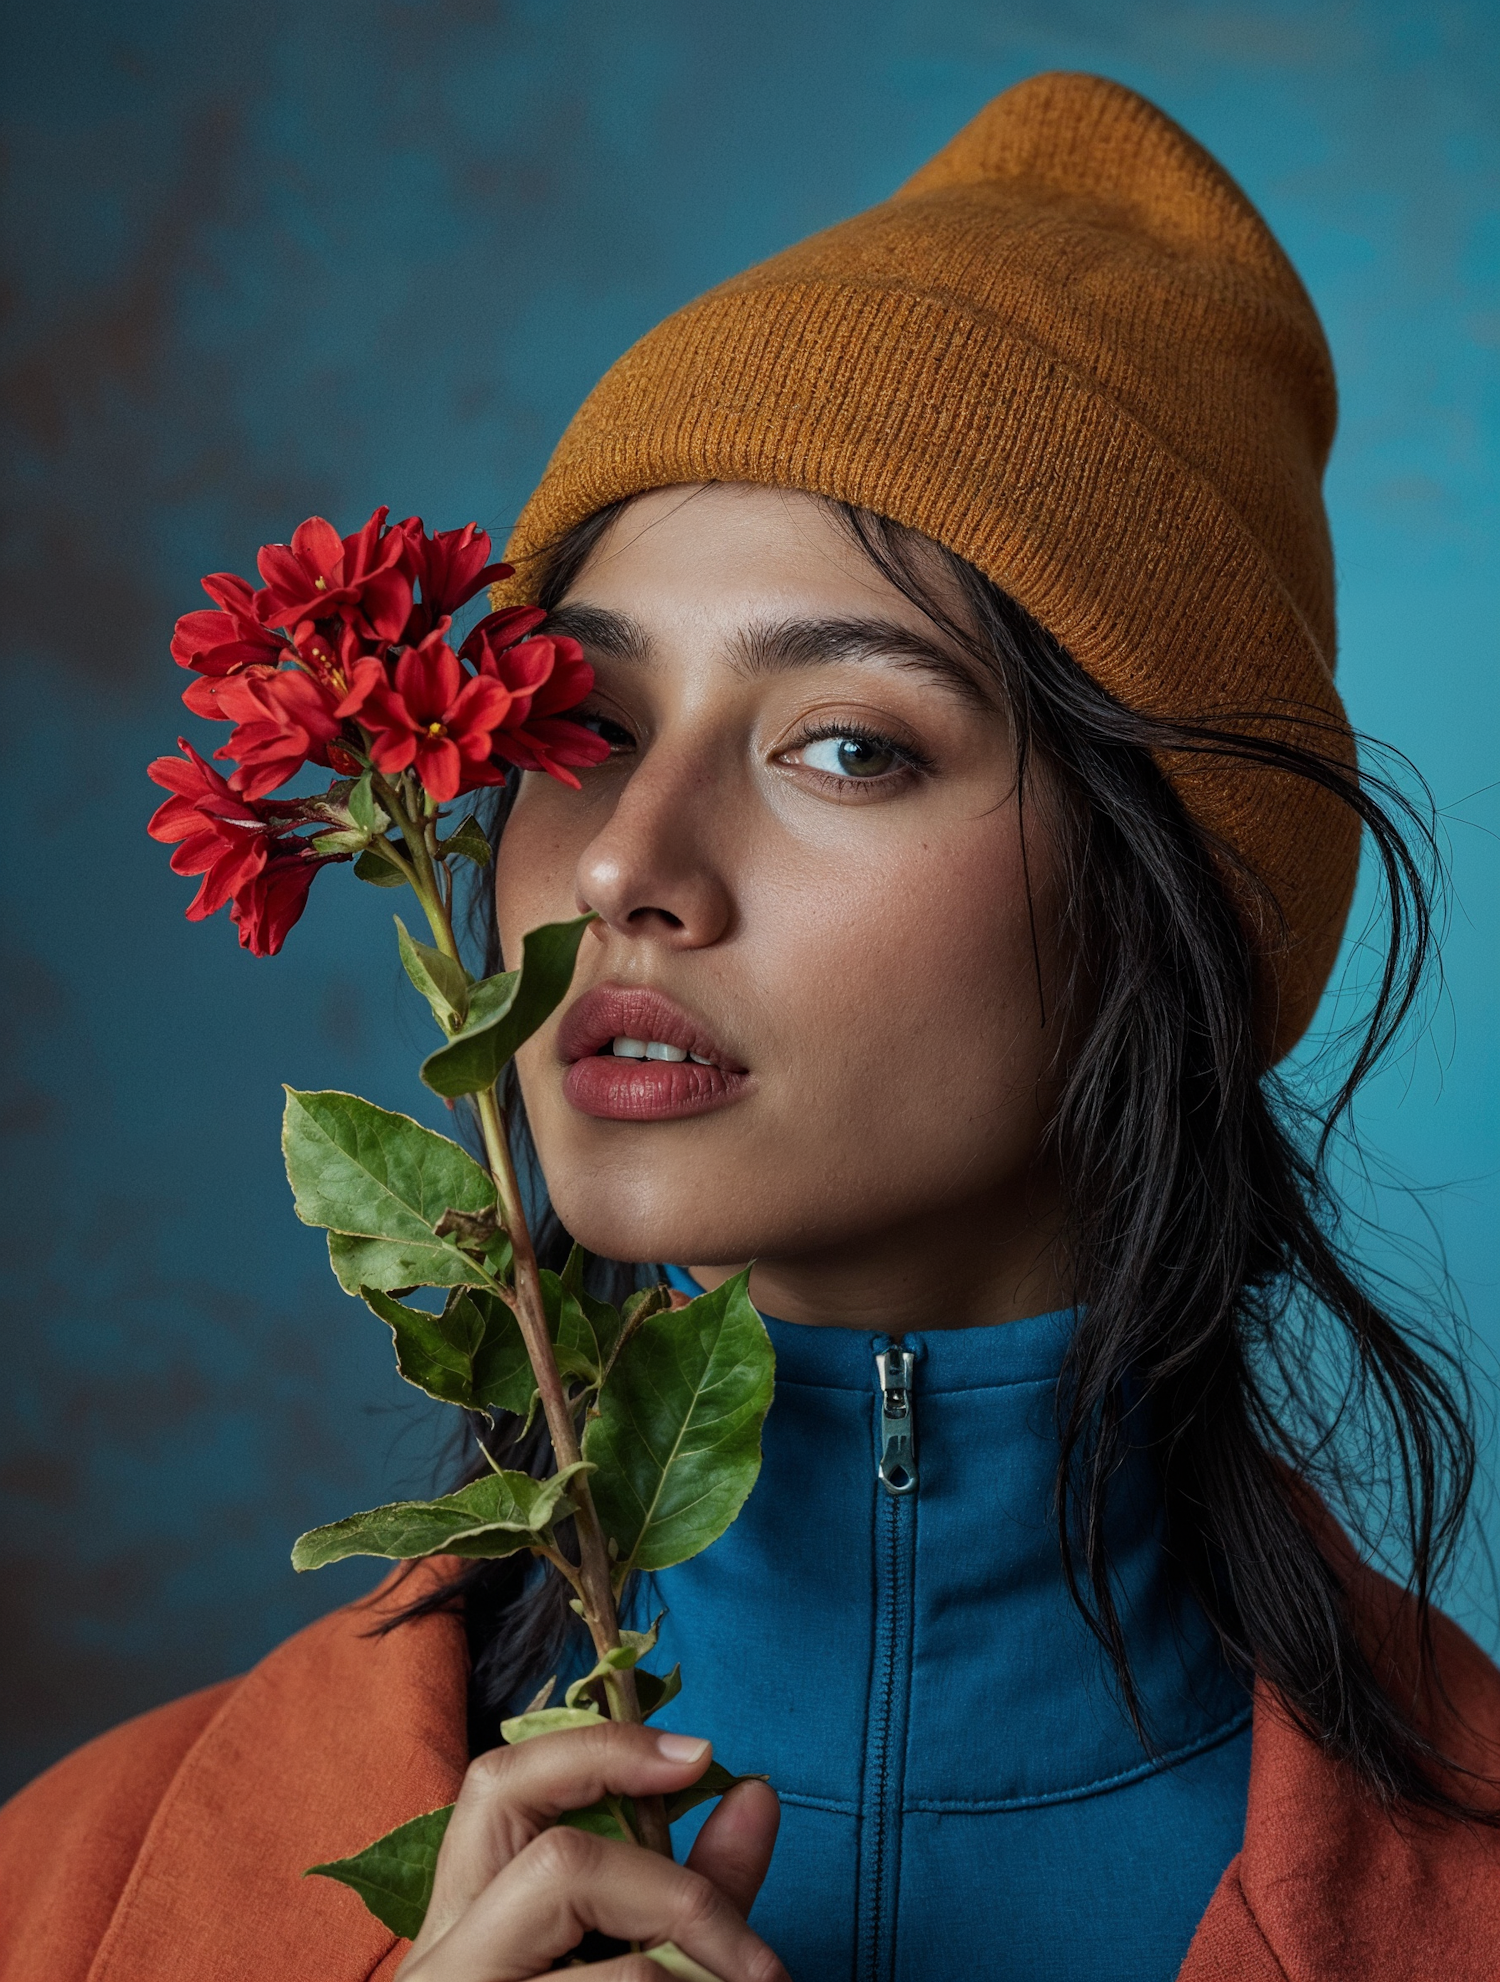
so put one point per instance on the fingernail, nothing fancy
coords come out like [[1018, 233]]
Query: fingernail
[[681, 1747]]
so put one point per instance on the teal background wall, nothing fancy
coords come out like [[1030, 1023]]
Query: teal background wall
[[275, 259]]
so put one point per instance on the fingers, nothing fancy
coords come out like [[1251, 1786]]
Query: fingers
[[511, 1795], [564, 1883], [625, 1968], [641, 1968], [734, 1847]]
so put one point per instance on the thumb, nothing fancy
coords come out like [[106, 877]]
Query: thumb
[[734, 1847]]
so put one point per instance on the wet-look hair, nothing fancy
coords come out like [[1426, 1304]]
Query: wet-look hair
[[1221, 1321]]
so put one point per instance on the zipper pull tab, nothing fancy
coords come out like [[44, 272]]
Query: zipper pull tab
[[898, 1455]]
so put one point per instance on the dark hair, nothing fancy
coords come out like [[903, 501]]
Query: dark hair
[[1203, 1230]]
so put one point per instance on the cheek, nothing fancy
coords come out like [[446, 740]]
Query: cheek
[[536, 869], [905, 998], [928, 953]]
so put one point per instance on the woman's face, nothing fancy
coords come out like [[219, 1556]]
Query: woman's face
[[806, 859]]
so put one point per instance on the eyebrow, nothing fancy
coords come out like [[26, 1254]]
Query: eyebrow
[[779, 646], [614, 636]]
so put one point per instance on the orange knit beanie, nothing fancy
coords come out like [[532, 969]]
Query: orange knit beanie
[[1069, 350]]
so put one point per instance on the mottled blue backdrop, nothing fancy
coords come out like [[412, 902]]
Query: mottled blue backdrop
[[274, 259]]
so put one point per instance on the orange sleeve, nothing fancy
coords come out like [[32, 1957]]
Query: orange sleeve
[[69, 1840]]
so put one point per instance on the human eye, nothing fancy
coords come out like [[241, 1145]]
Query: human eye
[[621, 740], [853, 754]]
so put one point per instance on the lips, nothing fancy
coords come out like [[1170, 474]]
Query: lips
[[655, 1089]]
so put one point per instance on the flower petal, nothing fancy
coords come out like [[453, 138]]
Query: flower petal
[[319, 549]]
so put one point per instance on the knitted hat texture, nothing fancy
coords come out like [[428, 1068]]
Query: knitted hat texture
[[1070, 350]]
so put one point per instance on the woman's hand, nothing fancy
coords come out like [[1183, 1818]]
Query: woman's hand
[[513, 1890]]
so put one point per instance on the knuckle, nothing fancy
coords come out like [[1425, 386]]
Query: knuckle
[[561, 1854], [764, 1966], [699, 1900], [486, 1772], [604, 1741]]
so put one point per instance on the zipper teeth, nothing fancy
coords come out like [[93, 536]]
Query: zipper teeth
[[887, 1704], [875, 1955], [880, 1861]]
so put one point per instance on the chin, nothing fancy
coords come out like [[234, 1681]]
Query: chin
[[645, 1225]]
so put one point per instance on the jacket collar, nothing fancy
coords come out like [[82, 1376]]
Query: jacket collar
[[340, 1735]]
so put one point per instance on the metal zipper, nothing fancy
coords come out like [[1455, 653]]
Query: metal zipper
[[885, 1740], [898, 1452]]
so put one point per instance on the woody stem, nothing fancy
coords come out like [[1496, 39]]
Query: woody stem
[[594, 1566], [594, 1575]]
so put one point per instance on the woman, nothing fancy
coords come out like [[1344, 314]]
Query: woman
[[978, 834]]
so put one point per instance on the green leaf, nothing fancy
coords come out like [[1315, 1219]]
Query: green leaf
[[619, 1660], [714, 1781], [473, 1061], [633, 1645], [606, 1325], [442, 981], [372, 866], [655, 1689], [491, 1517], [366, 1173], [642, 1304], [641, 1642], [584, 1331], [491, 997], [339, 842], [677, 1435], [393, 1876], [614, 1816], [390, 1264], [363, 810], [611, 1816], [670, 1957], [469, 840], [472, 1354], [547, 1720]]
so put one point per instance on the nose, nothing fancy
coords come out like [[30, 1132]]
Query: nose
[[651, 870]]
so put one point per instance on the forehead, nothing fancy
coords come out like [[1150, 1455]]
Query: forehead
[[769, 581], [732, 552]]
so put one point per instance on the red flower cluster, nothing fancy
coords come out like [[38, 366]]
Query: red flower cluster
[[248, 854], [341, 658]]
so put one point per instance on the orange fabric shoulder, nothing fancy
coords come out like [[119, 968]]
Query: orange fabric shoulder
[[69, 1840], [173, 1850], [1331, 1886]]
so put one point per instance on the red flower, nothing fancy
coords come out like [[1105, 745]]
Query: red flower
[[245, 852], [283, 719], [431, 714], [450, 567], [331, 652], [321, 575], [501, 629], [223, 642], [267, 906], [545, 676], [223, 838]]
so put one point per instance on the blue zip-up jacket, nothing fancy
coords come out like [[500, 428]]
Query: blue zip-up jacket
[[961, 1793]]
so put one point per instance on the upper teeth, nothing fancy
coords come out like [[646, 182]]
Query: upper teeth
[[653, 1049]]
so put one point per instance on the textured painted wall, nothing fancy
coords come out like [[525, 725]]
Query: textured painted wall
[[288, 258]]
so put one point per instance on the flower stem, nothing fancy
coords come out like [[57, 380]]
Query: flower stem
[[594, 1566], [595, 1580]]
